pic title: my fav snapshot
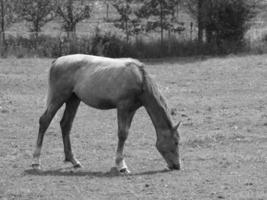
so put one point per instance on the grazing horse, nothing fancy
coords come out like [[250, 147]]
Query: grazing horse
[[106, 83]]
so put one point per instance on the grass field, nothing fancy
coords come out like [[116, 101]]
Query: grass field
[[221, 101]]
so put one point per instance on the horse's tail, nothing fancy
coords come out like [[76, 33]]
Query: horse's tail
[[49, 92]]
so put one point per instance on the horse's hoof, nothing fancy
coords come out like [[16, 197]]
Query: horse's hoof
[[78, 165], [124, 171], [36, 166]]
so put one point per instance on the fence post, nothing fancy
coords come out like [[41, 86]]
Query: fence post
[[191, 30], [3, 45], [107, 10], [60, 46]]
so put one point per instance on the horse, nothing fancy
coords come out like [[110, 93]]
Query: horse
[[107, 83]]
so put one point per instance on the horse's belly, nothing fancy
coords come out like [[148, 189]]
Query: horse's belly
[[99, 102], [101, 98]]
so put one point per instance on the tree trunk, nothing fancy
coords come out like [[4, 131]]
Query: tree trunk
[[200, 21], [36, 33], [107, 11], [191, 30], [209, 37], [177, 11], [161, 25], [127, 32], [3, 39], [126, 25]]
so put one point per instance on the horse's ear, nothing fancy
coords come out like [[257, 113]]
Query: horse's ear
[[177, 126]]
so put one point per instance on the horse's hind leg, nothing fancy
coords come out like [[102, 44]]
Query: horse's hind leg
[[66, 124], [124, 122], [44, 122]]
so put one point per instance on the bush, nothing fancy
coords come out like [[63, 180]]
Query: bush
[[226, 23], [111, 45]]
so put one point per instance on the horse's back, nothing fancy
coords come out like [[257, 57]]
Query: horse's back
[[98, 81]]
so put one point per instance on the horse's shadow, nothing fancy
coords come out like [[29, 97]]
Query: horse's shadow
[[99, 174]]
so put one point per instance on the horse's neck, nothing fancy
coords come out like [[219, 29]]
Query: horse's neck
[[159, 116], [156, 107]]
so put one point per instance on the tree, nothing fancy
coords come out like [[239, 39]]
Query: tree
[[227, 20], [72, 12], [159, 14], [127, 18], [37, 13], [107, 9], [196, 9], [222, 20], [7, 17]]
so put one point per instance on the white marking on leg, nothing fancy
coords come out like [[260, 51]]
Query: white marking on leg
[[76, 163], [121, 164], [36, 156]]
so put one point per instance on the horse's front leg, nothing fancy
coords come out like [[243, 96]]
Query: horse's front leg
[[124, 122]]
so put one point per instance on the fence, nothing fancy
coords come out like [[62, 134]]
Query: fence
[[104, 39], [19, 40]]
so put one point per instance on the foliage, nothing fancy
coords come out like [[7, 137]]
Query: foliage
[[7, 16], [104, 45], [37, 13], [160, 14], [110, 45], [225, 21], [232, 18], [127, 20], [72, 12]]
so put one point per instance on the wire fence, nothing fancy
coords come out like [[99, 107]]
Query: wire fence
[[87, 29], [96, 37]]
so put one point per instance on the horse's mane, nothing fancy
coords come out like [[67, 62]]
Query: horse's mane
[[151, 88]]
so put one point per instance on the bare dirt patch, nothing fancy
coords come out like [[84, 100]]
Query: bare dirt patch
[[221, 101]]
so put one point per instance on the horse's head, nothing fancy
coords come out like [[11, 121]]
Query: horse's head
[[168, 146]]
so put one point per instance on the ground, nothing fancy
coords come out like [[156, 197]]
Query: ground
[[222, 103]]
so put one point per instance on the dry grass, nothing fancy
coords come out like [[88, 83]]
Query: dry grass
[[221, 101]]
